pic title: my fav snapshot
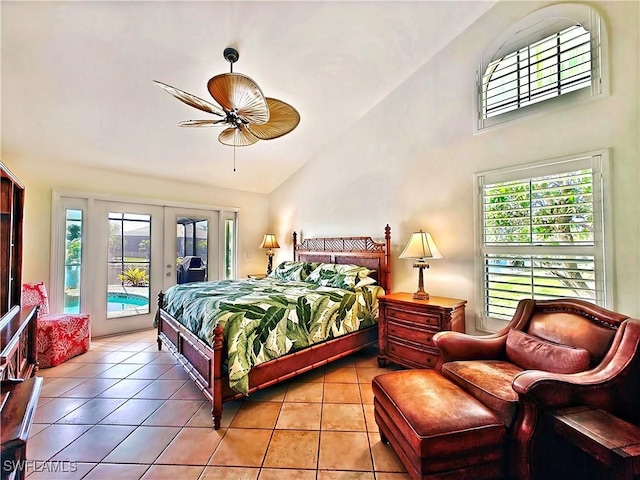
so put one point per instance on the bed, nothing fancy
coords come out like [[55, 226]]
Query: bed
[[204, 355]]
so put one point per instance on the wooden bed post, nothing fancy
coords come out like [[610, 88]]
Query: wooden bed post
[[158, 319], [216, 408], [387, 254], [295, 245]]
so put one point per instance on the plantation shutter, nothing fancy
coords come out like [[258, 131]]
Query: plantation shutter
[[553, 66], [541, 235]]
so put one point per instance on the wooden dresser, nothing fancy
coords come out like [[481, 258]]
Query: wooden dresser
[[19, 390], [406, 327]]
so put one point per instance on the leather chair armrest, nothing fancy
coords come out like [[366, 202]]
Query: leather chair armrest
[[460, 346], [598, 386]]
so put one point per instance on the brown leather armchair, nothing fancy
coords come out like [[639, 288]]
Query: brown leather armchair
[[552, 354]]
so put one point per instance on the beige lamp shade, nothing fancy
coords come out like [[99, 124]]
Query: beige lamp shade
[[421, 246], [269, 241]]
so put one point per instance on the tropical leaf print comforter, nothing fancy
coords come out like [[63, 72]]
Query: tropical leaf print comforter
[[268, 318]]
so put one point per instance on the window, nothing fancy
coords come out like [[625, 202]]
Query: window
[[229, 248], [541, 234], [555, 52], [72, 260]]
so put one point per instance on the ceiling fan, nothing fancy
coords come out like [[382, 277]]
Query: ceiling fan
[[246, 113]]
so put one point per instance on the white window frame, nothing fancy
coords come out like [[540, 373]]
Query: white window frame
[[599, 162], [536, 26]]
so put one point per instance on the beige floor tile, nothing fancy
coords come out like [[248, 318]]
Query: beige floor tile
[[340, 375], [59, 386], [344, 451], [173, 472], [345, 417], [59, 370], [293, 449], [304, 392], [274, 393], [59, 470], [257, 415], [115, 357], [56, 409], [93, 411], [242, 447], [173, 413], [369, 417], [91, 388], [366, 374], [384, 458], [121, 370], [344, 475], [89, 370], [151, 371], [112, 471], [300, 416], [88, 357], [144, 445], [126, 388], [342, 393], [52, 439], [132, 412], [165, 358], [160, 389], [140, 357], [192, 446], [286, 474], [188, 391], [366, 393], [176, 372], [37, 428], [95, 443], [230, 473]]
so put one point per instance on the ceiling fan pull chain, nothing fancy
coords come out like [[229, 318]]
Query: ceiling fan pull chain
[[234, 158]]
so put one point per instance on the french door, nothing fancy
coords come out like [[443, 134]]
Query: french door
[[111, 259]]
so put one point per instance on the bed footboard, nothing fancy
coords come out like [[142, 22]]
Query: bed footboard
[[202, 363]]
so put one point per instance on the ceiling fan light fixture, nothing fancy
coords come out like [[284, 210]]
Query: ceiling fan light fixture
[[248, 115]]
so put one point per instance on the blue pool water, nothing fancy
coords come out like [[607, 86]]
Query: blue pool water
[[116, 302]]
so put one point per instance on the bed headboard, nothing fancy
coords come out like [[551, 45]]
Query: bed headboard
[[362, 251]]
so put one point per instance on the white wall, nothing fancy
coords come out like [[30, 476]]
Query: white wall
[[40, 177], [410, 161]]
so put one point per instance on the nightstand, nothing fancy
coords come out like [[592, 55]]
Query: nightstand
[[257, 276], [406, 327]]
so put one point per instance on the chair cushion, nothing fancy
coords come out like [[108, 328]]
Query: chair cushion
[[489, 381], [533, 353]]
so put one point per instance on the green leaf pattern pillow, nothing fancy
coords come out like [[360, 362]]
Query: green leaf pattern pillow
[[292, 271], [347, 277]]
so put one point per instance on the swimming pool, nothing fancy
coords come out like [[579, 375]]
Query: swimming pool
[[116, 302]]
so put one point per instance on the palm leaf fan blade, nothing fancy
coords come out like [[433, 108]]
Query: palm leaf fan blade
[[191, 100], [283, 118], [237, 137], [239, 93], [202, 123]]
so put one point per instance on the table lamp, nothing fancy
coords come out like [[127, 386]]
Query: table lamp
[[269, 241], [420, 248]]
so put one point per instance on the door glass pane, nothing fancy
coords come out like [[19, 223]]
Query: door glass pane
[[72, 260], [129, 264], [229, 248], [193, 247]]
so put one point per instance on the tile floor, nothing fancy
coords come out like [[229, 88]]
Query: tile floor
[[124, 410]]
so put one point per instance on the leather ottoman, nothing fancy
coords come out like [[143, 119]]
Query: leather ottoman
[[438, 431]]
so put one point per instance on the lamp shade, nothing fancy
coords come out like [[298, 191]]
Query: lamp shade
[[269, 241], [421, 246]]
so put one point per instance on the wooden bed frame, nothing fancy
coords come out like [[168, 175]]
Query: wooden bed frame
[[204, 364]]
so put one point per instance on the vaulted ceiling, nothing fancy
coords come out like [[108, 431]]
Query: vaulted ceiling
[[77, 77]]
